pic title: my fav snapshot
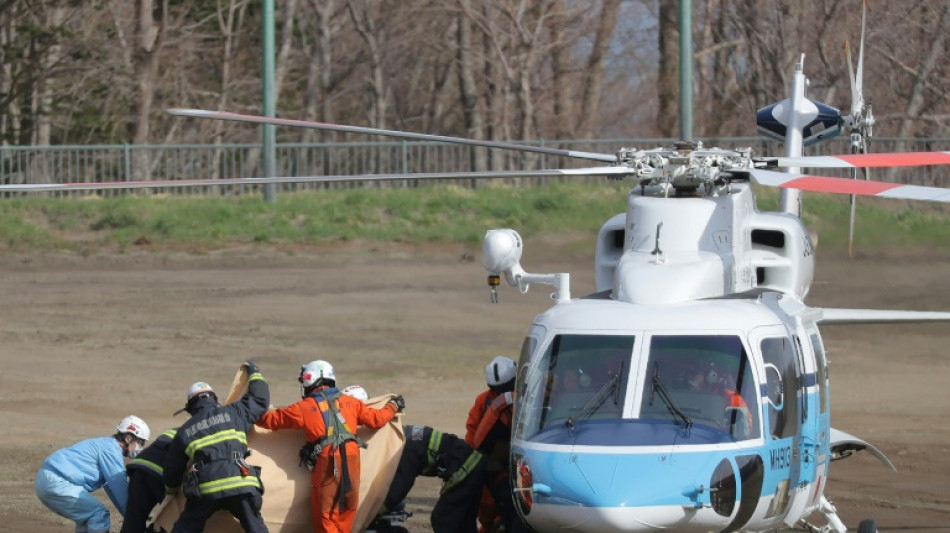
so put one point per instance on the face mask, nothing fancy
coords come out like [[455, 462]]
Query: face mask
[[133, 450]]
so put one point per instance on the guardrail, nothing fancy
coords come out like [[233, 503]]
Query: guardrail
[[123, 163]]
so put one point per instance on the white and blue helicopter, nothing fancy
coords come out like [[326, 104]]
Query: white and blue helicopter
[[690, 391]]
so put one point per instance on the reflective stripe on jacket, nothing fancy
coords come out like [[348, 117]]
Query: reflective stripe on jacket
[[446, 455], [214, 439], [152, 458]]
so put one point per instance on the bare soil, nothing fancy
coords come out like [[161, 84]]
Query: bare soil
[[87, 340]]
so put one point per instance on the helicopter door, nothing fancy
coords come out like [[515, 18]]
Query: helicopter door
[[813, 441], [805, 465], [783, 414]]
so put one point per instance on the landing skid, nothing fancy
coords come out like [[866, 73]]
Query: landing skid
[[835, 525]]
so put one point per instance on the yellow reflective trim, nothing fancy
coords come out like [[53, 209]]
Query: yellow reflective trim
[[254, 377], [228, 483], [155, 467], [215, 438], [435, 441], [470, 463], [170, 433]]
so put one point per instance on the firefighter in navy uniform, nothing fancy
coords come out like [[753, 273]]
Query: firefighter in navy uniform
[[432, 453], [215, 440], [146, 488]]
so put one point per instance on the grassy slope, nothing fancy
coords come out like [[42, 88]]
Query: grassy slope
[[441, 214]]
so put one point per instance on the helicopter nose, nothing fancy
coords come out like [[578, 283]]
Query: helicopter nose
[[589, 497]]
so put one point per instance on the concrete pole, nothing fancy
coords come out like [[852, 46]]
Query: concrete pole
[[269, 99]]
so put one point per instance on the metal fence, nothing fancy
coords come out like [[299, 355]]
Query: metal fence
[[122, 163]]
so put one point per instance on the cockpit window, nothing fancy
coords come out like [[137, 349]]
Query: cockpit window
[[701, 379], [579, 377]]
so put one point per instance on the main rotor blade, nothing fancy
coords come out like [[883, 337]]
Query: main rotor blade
[[805, 182], [855, 92], [208, 182], [859, 75], [877, 160], [255, 119]]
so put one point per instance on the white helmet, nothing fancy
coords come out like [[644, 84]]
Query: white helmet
[[314, 371], [199, 388], [357, 392], [501, 370], [134, 425]]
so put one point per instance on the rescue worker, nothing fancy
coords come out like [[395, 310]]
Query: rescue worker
[[215, 440], [432, 453], [357, 392], [493, 439], [69, 475], [500, 378], [737, 415], [146, 488], [329, 420]]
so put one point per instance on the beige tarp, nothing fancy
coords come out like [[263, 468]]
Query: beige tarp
[[286, 507]]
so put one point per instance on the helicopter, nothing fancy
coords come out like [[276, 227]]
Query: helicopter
[[689, 391]]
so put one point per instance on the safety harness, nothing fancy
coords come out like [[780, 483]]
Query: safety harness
[[498, 411], [338, 433]]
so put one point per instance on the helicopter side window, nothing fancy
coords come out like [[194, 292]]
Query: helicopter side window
[[784, 415], [577, 378], [525, 386], [701, 379]]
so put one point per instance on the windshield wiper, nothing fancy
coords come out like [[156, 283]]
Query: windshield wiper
[[592, 405], [666, 397]]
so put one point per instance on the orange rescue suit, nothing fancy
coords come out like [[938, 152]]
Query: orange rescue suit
[[325, 481], [476, 413], [490, 408]]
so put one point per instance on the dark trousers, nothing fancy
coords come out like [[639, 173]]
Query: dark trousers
[[503, 493], [146, 490], [245, 507], [457, 508]]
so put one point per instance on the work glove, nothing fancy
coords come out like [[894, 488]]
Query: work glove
[[399, 402], [252, 368]]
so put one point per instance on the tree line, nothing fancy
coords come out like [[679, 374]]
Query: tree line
[[103, 71]]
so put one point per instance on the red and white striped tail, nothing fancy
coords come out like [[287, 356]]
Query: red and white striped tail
[[905, 159], [807, 182]]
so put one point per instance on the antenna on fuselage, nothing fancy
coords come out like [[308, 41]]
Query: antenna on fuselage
[[656, 248]]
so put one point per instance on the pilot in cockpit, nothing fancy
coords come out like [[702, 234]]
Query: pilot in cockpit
[[723, 383]]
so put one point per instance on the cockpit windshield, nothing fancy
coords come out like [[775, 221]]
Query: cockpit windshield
[[701, 379], [579, 377]]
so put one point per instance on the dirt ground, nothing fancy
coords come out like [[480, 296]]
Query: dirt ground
[[87, 340]]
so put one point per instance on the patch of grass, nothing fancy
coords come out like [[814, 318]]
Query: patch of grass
[[407, 215]]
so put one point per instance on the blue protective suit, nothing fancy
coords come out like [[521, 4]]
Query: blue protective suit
[[68, 476]]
